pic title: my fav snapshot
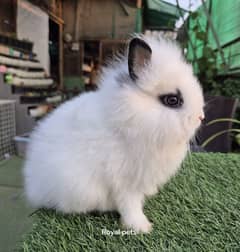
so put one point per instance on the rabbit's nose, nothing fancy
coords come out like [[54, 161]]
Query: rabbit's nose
[[201, 118]]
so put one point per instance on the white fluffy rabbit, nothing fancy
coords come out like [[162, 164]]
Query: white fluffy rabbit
[[107, 150]]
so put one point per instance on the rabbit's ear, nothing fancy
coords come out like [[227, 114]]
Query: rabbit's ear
[[139, 54]]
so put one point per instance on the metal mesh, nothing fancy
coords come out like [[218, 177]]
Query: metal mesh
[[7, 128]]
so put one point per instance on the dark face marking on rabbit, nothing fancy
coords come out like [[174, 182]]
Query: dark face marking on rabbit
[[139, 55], [172, 100]]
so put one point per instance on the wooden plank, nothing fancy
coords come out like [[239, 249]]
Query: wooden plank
[[26, 74], [20, 63], [9, 51], [77, 21], [23, 82], [61, 62]]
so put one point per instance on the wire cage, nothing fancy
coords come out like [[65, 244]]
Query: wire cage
[[7, 128]]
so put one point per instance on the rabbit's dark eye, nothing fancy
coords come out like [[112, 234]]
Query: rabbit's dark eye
[[172, 100]]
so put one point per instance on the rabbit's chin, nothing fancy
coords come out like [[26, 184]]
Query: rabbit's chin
[[190, 129]]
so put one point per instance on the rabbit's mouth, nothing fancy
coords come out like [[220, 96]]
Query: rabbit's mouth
[[195, 144], [190, 129]]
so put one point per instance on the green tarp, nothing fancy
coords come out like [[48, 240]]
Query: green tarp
[[225, 16], [159, 14]]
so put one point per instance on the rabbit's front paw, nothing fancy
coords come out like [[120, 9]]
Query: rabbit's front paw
[[138, 222], [152, 191]]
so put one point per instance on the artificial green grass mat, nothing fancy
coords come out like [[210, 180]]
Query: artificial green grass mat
[[198, 210]]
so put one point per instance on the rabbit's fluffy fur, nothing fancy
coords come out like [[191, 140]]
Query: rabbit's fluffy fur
[[107, 150]]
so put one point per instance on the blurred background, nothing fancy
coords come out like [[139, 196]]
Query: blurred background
[[51, 51]]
